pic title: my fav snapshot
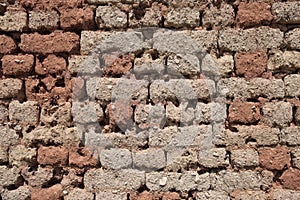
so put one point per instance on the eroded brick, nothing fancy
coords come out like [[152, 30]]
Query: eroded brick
[[77, 18], [7, 45], [53, 192], [278, 114], [274, 158], [13, 20], [17, 65], [43, 20], [286, 12], [52, 155], [244, 112], [290, 179]]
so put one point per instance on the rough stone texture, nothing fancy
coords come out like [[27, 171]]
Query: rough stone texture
[[251, 39], [3, 155], [56, 42], [277, 114], [10, 88], [207, 39], [21, 193], [99, 179], [7, 44], [147, 116], [296, 158], [254, 88], [290, 136], [283, 61], [110, 17], [87, 112], [13, 20], [212, 195], [254, 13], [287, 12], [38, 178], [60, 115], [244, 157], [77, 19], [79, 65], [290, 179], [187, 17], [292, 38], [214, 158], [108, 194], [9, 176], [43, 21], [17, 65], [217, 18], [24, 113], [3, 113], [229, 181], [260, 135], [214, 67], [292, 84], [149, 160], [52, 155], [281, 194], [244, 112], [274, 158], [78, 194], [252, 64], [250, 194], [183, 65], [53, 192], [21, 156], [116, 158]]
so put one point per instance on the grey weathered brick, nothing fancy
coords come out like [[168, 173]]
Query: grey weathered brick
[[244, 157], [43, 20], [3, 113], [183, 65], [282, 194], [256, 87], [25, 113], [87, 112], [21, 193], [292, 85], [209, 113], [89, 40], [111, 194], [279, 114], [286, 12], [290, 136], [213, 158], [218, 17], [110, 17], [9, 176], [82, 65], [116, 158], [296, 158], [10, 88], [183, 17], [228, 181], [261, 135], [292, 38], [250, 39], [13, 20], [206, 39], [99, 180], [21, 155], [283, 61], [78, 194], [159, 181], [212, 195], [219, 67], [150, 159], [147, 116], [181, 114], [100, 89]]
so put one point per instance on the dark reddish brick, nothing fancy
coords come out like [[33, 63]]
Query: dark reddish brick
[[78, 18], [56, 42], [51, 4], [251, 64], [274, 158], [254, 13], [52, 155], [171, 196], [244, 112], [118, 66], [144, 196], [36, 91], [53, 193], [51, 65], [82, 157], [7, 45], [290, 179], [17, 64]]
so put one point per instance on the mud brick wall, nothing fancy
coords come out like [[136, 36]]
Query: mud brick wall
[[144, 99]]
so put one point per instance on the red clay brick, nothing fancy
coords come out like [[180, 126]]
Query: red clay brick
[[274, 158], [82, 157], [254, 13], [7, 45], [77, 18], [251, 64], [171, 196], [53, 193], [51, 65], [56, 42], [17, 64], [51, 4], [118, 66], [290, 179], [52, 155], [144, 196], [244, 112]]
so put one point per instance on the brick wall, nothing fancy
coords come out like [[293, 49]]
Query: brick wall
[[144, 99]]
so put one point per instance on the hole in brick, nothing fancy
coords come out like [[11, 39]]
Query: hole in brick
[[250, 140]]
